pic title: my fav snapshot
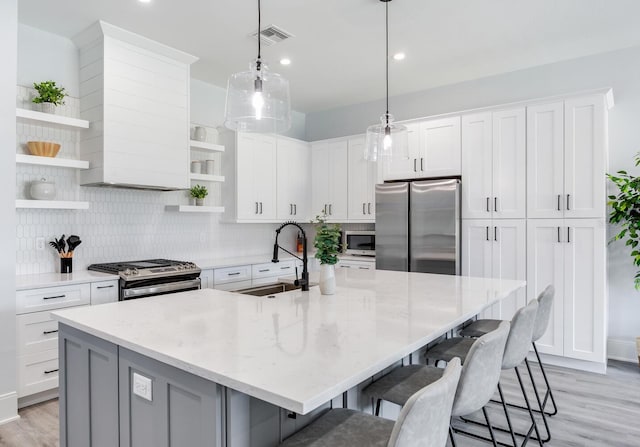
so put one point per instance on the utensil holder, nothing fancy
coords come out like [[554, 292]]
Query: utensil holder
[[66, 265]]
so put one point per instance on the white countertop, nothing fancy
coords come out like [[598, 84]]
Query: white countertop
[[40, 280], [300, 349]]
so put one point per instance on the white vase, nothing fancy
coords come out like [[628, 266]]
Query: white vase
[[327, 279], [199, 202], [48, 107]]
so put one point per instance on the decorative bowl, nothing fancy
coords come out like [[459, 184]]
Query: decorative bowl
[[43, 148]]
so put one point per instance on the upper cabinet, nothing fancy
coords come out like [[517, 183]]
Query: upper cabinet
[[494, 164], [434, 151], [138, 138], [293, 183], [256, 176], [329, 179], [363, 176], [566, 158]]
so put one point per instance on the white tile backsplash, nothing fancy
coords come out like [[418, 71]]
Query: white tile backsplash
[[122, 224]]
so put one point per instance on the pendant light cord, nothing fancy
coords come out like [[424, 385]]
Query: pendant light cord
[[258, 62], [386, 9]]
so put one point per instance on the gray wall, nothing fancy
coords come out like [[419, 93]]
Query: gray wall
[[8, 47], [619, 69]]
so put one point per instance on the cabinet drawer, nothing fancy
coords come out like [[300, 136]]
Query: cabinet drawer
[[104, 292], [231, 274], [36, 332], [37, 372], [50, 298], [357, 265], [269, 269]]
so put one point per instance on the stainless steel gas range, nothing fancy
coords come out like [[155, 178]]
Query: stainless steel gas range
[[139, 279]]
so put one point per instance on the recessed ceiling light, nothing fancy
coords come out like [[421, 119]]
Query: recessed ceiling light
[[285, 61], [399, 56]]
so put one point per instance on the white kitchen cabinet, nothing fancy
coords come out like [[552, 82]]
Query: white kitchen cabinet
[[329, 179], [434, 151], [496, 249], [363, 176], [570, 255], [206, 279], [356, 264], [494, 165], [256, 177], [293, 185], [566, 158], [104, 292]]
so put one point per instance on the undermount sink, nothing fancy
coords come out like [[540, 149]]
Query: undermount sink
[[270, 289]]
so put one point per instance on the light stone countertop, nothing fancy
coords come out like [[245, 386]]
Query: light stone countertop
[[40, 280], [300, 349]]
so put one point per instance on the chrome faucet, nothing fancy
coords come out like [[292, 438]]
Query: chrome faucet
[[304, 280]]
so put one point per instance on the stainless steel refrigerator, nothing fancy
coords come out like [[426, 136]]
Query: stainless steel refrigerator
[[418, 226]]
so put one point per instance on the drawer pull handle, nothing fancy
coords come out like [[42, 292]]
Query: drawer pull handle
[[104, 287], [233, 274], [49, 332], [53, 297], [285, 268], [363, 268], [51, 371], [263, 270]]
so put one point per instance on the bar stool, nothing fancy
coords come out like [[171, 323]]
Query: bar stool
[[479, 378], [545, 304], [515, 352], [423, 421]]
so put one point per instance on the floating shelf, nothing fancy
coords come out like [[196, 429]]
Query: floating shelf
[[206, 146], [56, 120], [52, 204], [207, 177], [51, 161], [194, 209]]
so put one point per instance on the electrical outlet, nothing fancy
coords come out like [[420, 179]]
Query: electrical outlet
[[39, 243], [142, 386]]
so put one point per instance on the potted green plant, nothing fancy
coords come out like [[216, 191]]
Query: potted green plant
[[49, 96], [625, 212], [199, 193], [327, 244]]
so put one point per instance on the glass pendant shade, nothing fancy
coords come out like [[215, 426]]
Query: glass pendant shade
[[258, 101], [387, 140]]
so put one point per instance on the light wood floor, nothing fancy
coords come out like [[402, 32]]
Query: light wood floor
[[595, 411]]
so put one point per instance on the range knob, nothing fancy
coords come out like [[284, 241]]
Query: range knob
[[127, 272], [134, 271]]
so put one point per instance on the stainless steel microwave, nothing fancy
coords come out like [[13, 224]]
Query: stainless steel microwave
[[362, 243]]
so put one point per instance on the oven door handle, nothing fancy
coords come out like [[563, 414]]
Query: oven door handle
[[161, 288]]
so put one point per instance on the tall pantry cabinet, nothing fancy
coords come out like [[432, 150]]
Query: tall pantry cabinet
[[566, 231]]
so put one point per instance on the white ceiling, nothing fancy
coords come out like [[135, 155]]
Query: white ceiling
[[338, 50]]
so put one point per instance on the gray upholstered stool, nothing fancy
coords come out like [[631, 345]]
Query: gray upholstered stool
[[479, 378], [423, 421], [515, 352], [545, 305]]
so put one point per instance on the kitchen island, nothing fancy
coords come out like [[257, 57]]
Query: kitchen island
[[222, 369]]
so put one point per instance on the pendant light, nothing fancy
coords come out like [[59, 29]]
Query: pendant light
[[258, 100], [387, 139]]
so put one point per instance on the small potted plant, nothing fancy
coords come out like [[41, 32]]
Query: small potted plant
[[199, 193], [327, 244], [49, 96], [625, 212]]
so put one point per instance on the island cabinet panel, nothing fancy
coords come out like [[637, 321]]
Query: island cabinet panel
[[184, 410], [88, 384]]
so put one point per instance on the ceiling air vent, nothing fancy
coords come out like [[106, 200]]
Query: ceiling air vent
[[272, 34]]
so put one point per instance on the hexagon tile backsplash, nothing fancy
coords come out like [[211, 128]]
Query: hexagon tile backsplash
[[121, 224]]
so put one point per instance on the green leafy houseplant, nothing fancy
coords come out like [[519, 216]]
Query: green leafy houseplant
[[199, 192], [625, 211], [327, 240], [49, 92]]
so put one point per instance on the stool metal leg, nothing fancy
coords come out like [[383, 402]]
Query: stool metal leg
[[549, 393], [534, 425], [486, 417], [540, 404], [378, 403], [451, 437]]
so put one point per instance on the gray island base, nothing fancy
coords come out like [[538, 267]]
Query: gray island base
[[214, 368]]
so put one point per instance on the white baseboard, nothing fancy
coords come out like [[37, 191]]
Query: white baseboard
[[622, 349], [582, 365], [8, 407]]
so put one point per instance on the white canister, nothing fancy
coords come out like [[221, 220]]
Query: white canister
[[42, 190], [196, 167], [200, 134], [209, 167]]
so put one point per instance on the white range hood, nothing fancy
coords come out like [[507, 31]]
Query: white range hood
[[135, 93]]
